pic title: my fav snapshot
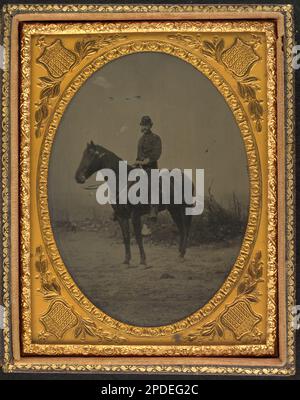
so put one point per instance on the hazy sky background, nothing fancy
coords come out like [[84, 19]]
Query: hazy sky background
[[196, 126]]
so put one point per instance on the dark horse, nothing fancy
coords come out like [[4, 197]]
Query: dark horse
[[95, 158]]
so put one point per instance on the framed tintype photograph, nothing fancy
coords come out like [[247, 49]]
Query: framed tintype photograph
[[148, 189]]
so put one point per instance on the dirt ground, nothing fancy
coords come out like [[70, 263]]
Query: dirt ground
[[164, 291]]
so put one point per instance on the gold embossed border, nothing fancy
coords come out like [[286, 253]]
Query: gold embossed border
[[253, 162], [45, 157], [196, 349], [288, 368], [227, 92]]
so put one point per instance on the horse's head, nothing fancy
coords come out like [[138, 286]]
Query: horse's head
[[90, 162]]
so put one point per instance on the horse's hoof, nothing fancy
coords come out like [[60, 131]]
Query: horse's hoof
[[181, 258], [143, 262]]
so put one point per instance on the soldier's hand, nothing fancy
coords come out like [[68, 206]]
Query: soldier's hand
[[138, 163], [146, 161]]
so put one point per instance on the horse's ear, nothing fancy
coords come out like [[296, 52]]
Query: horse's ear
[[92, 143]]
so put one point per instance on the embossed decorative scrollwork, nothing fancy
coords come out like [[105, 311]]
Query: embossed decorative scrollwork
[[58, 60], [238, 317], [165, 46], [9, 364], [238, 59], [60, 317]]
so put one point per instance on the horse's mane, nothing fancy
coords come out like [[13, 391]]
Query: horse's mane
[[113, 155]]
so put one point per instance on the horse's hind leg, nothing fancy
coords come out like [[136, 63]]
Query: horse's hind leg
[[186, 222], [124, 224], [137, 226], [177, 218], [184, 233]]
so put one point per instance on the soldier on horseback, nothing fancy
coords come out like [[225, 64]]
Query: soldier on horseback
[[148, 153], [96, 158]]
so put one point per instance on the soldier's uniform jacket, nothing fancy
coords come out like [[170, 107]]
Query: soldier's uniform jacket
[[149, 146]]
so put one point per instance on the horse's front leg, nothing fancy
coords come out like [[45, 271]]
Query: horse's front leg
[[183, 235], [137, 226], [124, 224], [176, 214]]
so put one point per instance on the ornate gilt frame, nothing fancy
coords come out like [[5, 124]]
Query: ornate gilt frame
[[24, 350]]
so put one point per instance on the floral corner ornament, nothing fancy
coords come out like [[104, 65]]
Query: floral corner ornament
[[60, 317], [239, 59], [238, 317], [58, 60]]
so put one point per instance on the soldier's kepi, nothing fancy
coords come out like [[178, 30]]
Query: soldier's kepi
[[148, 153]]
